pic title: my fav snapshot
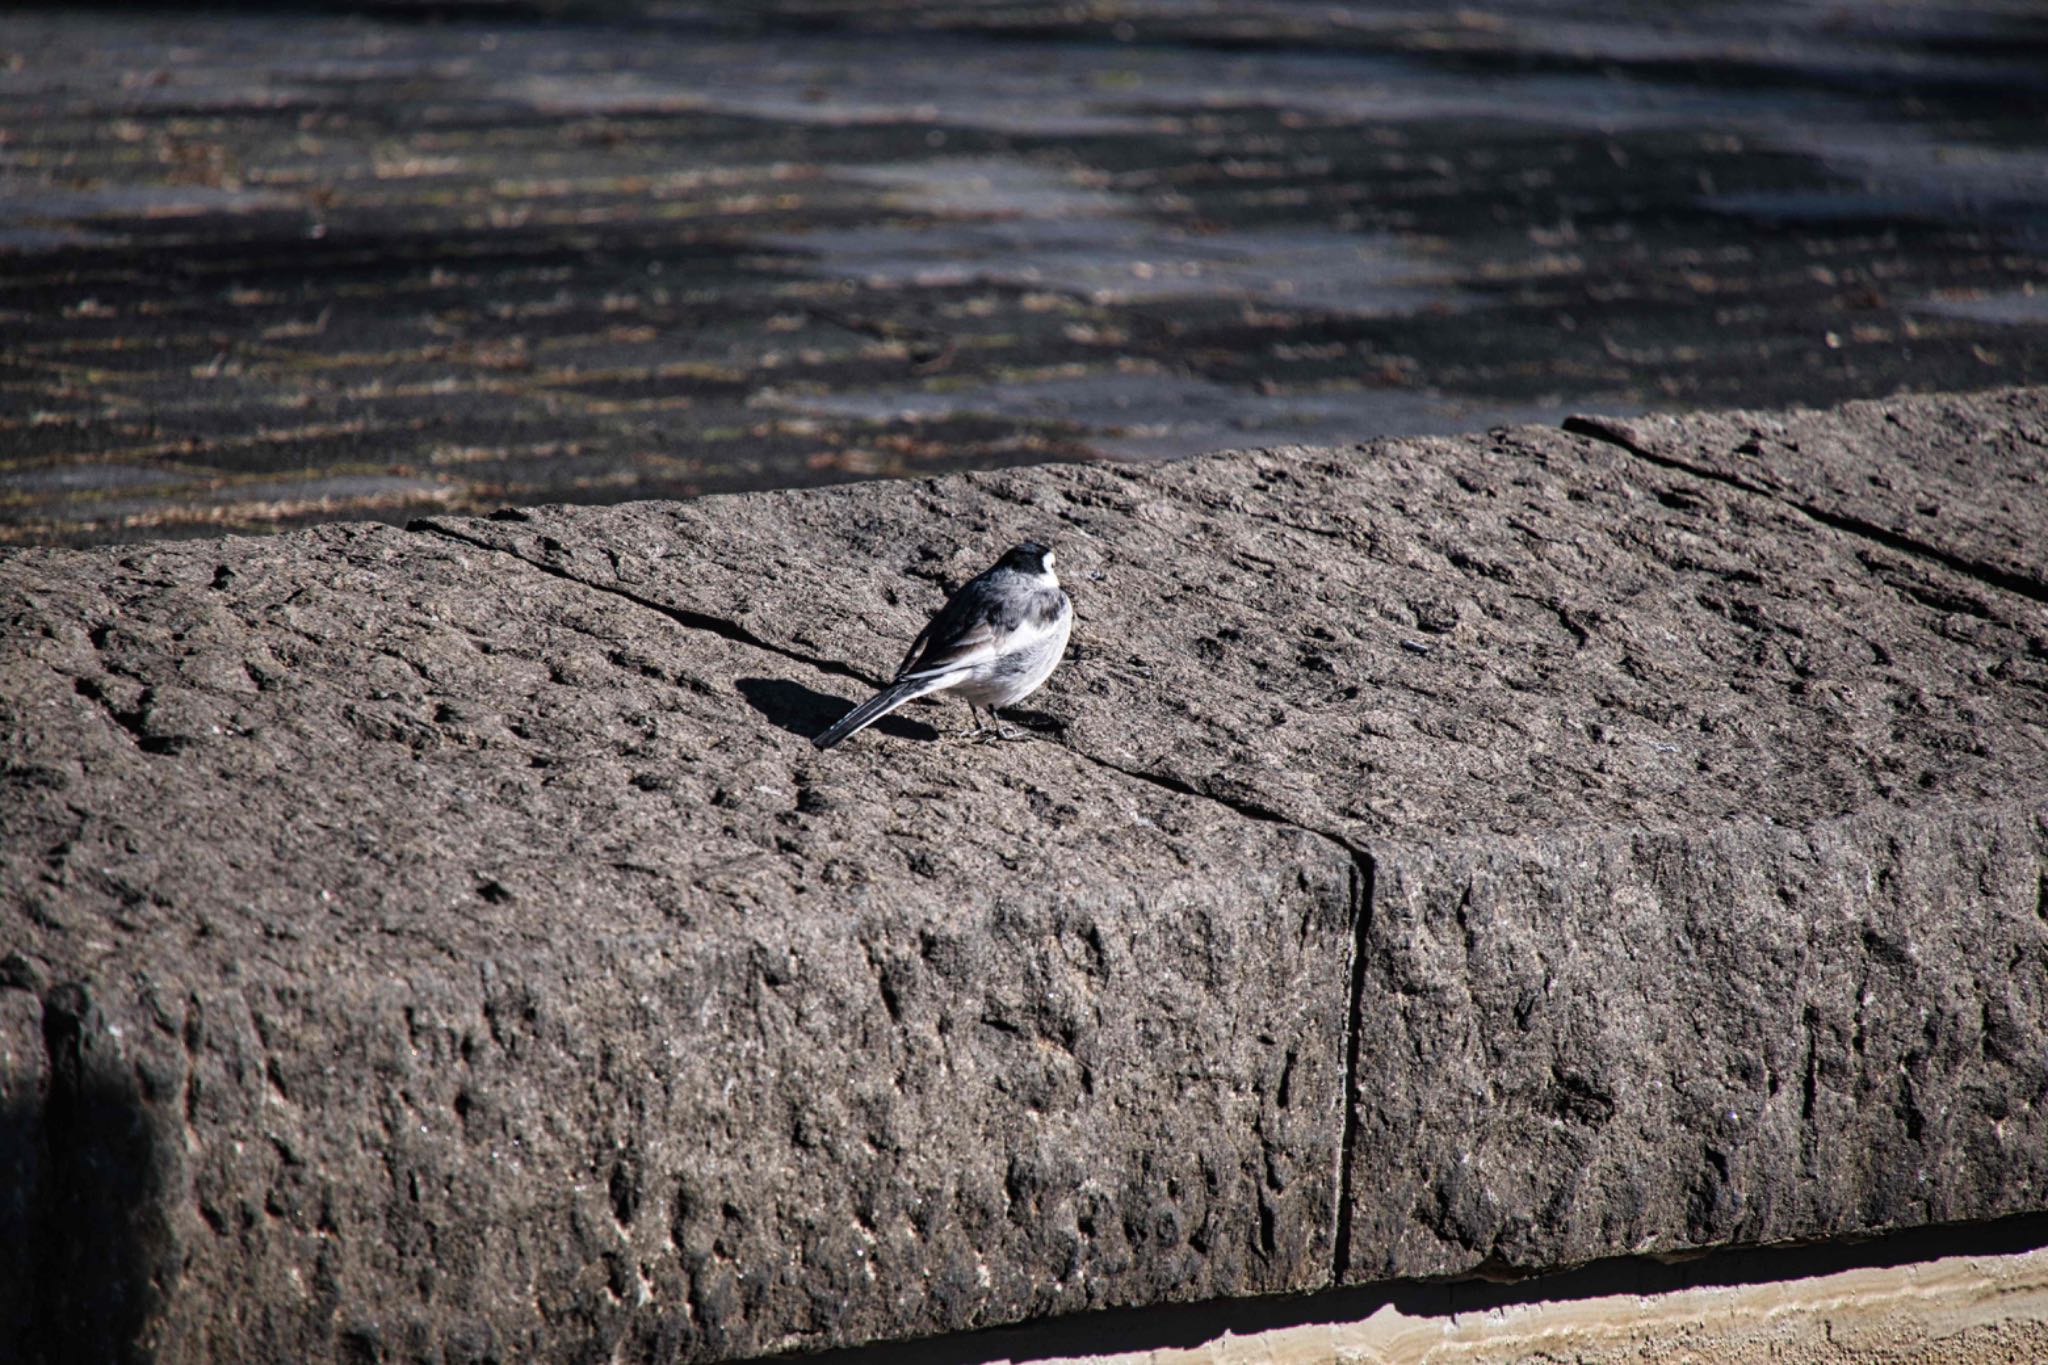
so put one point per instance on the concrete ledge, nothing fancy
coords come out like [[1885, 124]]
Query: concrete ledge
[[1441, 855], [1982, 1307]]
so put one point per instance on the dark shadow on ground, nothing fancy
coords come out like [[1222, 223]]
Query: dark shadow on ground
[[89, 1253], [801, 711], [1037, 722]]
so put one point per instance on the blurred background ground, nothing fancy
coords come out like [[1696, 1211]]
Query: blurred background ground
[[261, 265]]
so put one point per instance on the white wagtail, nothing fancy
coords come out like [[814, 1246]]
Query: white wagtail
[[994, 642]]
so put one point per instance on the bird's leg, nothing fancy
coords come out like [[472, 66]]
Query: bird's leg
[[1000, 730], [985, 731]]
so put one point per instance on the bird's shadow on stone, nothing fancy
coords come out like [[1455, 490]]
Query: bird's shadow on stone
[[1038, 722], [801, 711]]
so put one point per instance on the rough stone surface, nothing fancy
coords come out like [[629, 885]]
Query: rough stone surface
[[1441, 855], [1861, 1006], [459, 961], [1914, 470], [1421, 637]]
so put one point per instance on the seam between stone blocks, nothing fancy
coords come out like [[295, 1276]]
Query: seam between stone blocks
[[1362, 863], [695, 620], [1362, 888], [1988, 574], [1363, 879]]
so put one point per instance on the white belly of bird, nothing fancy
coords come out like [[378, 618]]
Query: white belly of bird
[[1021, 670]]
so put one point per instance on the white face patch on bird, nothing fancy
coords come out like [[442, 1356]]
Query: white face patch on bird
[[1029, 557]]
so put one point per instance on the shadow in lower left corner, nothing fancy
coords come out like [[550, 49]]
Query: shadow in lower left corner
[[88, 1247], [801, 711]]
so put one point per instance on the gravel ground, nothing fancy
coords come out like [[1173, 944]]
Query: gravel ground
[[376, 261]]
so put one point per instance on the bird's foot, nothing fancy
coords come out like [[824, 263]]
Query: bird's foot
[[997, 734], [992, 731]]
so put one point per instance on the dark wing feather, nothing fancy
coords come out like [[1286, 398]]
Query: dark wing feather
[[910, 660], [968, 624]]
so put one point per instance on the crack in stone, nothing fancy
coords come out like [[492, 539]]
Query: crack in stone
[[1363, 874], [695, 620], [1990, 574]]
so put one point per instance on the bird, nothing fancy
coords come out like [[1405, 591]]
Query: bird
[[995, 642]]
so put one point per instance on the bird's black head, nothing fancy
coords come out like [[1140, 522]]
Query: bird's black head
[[1029, 557]]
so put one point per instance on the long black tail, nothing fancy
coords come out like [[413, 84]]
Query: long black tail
[[874, 708]]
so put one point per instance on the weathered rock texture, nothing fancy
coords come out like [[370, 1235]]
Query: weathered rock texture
[[1440, 855], [1908, 474], [1859, 1002], [467, 962]]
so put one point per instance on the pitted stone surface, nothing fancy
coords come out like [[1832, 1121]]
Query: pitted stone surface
[[1967, 478], [1409, 638], [1443, 855], [1862, 1006], [470, 961]]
